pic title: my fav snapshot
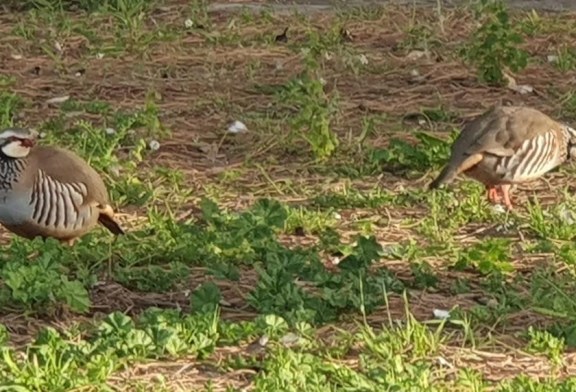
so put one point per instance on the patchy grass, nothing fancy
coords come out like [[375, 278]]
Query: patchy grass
[[304, 253]]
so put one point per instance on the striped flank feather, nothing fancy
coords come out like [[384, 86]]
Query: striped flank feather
[[56, 205], [534, 158]]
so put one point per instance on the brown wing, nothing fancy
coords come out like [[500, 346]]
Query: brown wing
[[66, 167], [503, 129]]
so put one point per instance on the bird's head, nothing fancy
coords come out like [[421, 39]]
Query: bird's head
[[17, 142], [571, 134]]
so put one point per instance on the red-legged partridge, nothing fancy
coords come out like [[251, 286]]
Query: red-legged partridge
[[508, 145], [49, 191]]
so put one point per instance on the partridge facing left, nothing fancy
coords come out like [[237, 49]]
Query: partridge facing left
[[508, 145], [48, 191]]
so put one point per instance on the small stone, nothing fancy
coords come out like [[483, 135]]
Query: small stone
[[567, 216], [290, 339], [415, 55], [115, 170], [498, 208], [443, 362], [154, 145], [237, 127], [523, 89], [57, 100], [441, 314]]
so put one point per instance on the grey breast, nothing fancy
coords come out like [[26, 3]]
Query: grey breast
[[14, 199]]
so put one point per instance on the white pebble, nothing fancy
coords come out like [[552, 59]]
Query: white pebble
[[567, 216], [523, 89], [110, 131], [237, 127], [441, 314], [115, 170], [154, 145], [57, 100], [498, 208], [263, 340], [415, 55], [289, 339], [443, 362]]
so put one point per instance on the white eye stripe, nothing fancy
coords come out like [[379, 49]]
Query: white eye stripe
[[15, 149], [18, 133]]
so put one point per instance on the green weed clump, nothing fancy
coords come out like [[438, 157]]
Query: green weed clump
[[495, 44]]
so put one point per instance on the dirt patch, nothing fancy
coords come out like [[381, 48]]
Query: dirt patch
[[326, 5]]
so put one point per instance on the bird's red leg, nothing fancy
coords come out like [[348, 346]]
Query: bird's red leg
[[493, 195], [506, 195]]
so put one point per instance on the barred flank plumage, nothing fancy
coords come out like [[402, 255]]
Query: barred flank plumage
[[57, 205], [534, 158]]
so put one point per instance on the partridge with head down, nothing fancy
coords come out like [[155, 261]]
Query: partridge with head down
[[508, 145]]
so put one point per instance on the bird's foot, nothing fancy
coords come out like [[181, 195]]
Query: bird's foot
[[506, 196], [69, 242], [493, 195], [500, 194]]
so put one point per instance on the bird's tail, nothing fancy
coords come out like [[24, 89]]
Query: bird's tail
[[110, 224], [451, 170], [106, 219], [447, 174]]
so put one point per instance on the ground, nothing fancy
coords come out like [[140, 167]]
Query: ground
[[304, 252]]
